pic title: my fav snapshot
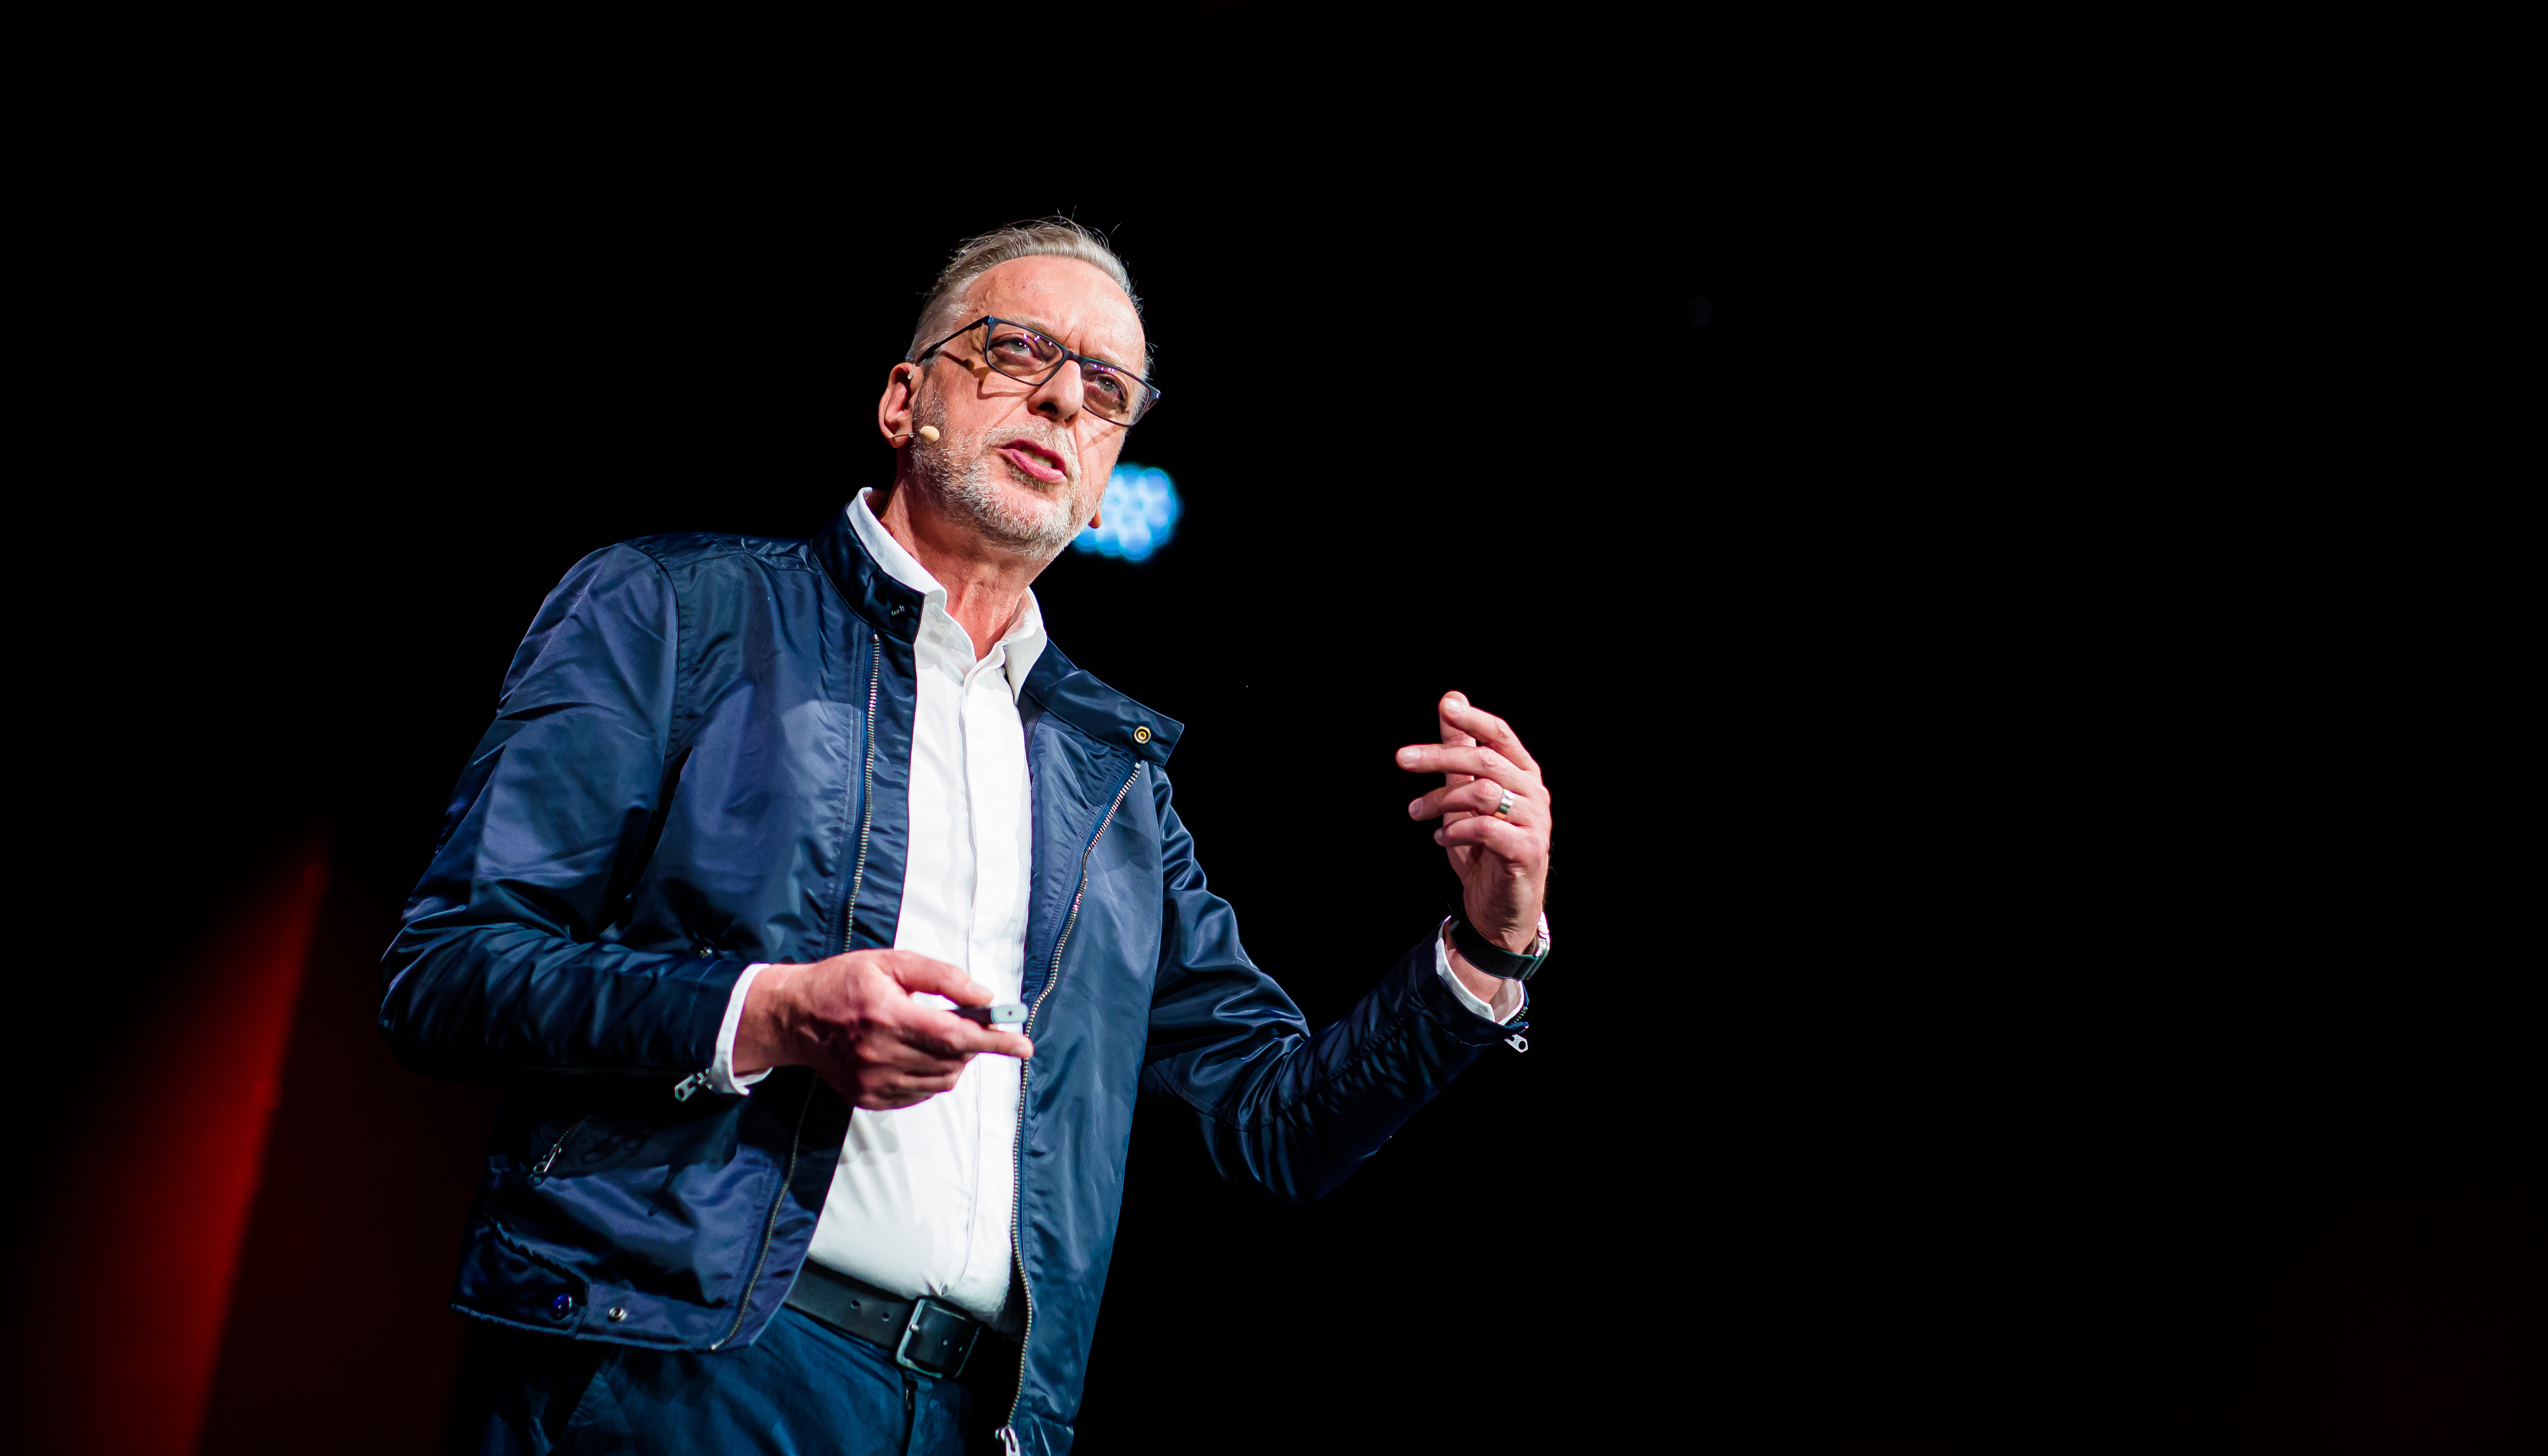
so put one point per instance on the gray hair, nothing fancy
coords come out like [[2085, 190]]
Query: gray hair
[[1046, 237]]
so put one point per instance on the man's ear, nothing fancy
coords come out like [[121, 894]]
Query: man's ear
[[893, 408]]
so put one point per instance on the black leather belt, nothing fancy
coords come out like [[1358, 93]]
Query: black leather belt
[[925, 1335]]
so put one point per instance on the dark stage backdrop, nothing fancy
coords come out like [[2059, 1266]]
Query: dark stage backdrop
[[1961, 1038]]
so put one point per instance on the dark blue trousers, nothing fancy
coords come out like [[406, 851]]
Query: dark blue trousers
[[802, 1388]]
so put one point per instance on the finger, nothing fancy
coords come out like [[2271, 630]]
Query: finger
[[913, 1057], [1482, 762], [895, 1096], [946, 1033], [1451, 735], [920, 973], [1477, 797], [1494, 732], [1448, 731], [884, 1091], [913, 1085], [1512, 841]]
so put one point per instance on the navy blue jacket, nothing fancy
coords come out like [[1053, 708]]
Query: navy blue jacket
[[701, 759]]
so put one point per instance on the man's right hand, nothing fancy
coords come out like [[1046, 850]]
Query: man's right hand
[[852, 1020]]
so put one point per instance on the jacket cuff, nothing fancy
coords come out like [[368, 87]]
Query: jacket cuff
[[1430, 987]]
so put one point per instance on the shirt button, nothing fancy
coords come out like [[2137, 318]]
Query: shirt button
[[1142, 734], [617, 1313]]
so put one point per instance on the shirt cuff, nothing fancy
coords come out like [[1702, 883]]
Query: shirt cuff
[[721, 1077], [1506, 991]]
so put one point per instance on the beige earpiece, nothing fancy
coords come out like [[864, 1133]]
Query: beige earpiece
[[928, 433]]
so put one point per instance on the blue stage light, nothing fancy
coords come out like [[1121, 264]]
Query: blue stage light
[[1140, 513]]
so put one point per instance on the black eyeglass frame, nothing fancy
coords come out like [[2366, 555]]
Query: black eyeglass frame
[[1142, 409]]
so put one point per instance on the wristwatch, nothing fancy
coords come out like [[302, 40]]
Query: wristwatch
[[1495, 959]]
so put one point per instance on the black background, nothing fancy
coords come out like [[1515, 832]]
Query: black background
[[2016, 987]]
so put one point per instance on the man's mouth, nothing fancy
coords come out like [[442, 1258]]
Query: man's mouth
[[1036, 461]]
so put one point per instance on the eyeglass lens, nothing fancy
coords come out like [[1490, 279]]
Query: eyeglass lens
[[1023, 354]]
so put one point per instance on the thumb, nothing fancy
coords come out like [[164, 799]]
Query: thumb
[[920, 973]]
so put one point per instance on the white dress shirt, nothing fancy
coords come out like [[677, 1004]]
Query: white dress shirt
[[922, 1198]]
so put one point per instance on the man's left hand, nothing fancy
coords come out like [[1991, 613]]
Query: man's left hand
[[1502, 859]]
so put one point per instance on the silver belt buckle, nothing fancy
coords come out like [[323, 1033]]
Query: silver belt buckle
[[911, 1327]]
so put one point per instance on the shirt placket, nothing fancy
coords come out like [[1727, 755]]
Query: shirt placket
[[954, 659], [969, 728], [993, 737]]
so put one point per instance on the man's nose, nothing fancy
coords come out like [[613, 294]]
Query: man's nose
[[1061, 397]]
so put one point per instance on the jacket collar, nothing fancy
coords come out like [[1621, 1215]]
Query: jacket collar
[[888, 606], [1057, 685]]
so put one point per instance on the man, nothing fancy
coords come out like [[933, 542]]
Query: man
[[755, 817]]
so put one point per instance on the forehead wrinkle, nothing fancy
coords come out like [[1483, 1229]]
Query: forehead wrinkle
[[1032, 296]]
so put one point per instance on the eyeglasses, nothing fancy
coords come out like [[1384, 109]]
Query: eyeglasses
[[1111, 392]]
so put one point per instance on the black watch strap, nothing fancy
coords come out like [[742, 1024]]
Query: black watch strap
[[1495, 959]]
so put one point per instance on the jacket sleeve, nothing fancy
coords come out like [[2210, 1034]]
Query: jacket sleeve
[[500, 965], [1289, 1113]]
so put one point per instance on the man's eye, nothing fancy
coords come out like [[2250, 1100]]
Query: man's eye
[[1015, 346], [1106, 381]]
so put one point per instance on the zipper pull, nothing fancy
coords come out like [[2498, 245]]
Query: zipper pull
[[541, 1170], [1517, 1041], [1008, 1435], [682, 1090]]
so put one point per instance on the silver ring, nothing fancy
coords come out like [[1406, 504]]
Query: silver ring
[[1504, 806]]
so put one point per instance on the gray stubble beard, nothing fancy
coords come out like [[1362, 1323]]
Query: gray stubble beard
[[956, 470]]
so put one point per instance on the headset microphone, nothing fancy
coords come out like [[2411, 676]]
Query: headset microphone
[[928, 433]]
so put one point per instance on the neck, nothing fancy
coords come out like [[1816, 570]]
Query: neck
[[984, 581]]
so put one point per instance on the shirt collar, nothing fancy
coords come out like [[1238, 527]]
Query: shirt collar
[[1024, 640]]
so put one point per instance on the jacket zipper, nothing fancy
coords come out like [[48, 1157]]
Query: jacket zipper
[[769, 1230], [849, 914], [866, 791], [541, 1169], [1017, 1146]]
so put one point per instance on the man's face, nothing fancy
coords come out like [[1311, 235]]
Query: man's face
[[1026, 463]]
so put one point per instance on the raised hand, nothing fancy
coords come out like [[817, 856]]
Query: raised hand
[[853, 1019], [1502, 858]]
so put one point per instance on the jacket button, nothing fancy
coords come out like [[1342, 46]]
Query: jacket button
[[617, 1313], [1142, 734], [562, 1306]]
